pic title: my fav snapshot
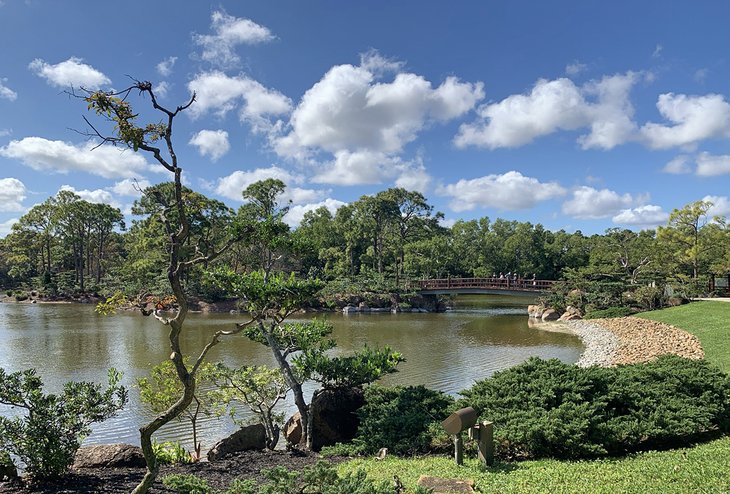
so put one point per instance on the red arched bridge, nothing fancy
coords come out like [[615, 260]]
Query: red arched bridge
[[485, 286]]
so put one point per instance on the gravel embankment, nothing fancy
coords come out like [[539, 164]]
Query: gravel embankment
[[630, 340]]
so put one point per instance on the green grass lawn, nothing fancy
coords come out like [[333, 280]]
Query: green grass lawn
[[709, 321], [704, 468]]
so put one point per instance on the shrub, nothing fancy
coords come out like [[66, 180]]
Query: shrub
[[19, 297], [398, 418], [171, 453], [320, 478], [48, 436], [649, 297], [609, 313], [186, 484], [548, 408]]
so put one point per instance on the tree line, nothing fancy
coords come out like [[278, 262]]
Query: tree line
[[67, 244]]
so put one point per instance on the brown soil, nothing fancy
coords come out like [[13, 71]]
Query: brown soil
[[219, 474]]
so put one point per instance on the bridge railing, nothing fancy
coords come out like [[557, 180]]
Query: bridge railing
[[526, 284]]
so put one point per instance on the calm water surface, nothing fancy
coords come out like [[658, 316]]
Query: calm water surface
[[446, 351]]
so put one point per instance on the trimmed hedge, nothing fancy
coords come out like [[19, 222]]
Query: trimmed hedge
[[609, 313], [401, 419], [545, 408]]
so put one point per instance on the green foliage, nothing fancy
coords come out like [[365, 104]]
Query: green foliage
[[187, 484], [111, 304], [162, 389], [649, 297], [259, 387], [698, 469], [609, 313], [7, 466], [321, 478], [171, 453], [361, 368], [20, 297], [548, 408], [399, 418], [47, 437], [240, 486], [267, 294]]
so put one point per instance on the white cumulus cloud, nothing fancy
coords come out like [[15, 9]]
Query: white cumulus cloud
[[6, 92], [234, 184], [710, 165], [7, 226], [603, 106], [357, 121], [72, 72], [510, 191], [648, 215], [211, 143], [678, 165], [99, 196], [62, 157], [228, 33], [219, 93], [161, 89], [575, 68], [12, 194], [165, 67], [692, 119], [720, 205], [590, 203], [130, 187], [296, 213]]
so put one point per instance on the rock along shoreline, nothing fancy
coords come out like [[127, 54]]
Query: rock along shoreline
[[631, 340]]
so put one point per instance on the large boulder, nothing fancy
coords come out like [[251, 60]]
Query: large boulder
[[571, 313], [245, 439], [334, 418], [109, 456], [535, 311], [293, 430], [550, 315]]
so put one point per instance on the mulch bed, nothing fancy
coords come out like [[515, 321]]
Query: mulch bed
[[219, 474]]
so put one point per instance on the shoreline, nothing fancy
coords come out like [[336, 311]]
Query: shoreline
[[631, 340]]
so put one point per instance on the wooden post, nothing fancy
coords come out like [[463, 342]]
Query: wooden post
[[486, 443], [458, 449]]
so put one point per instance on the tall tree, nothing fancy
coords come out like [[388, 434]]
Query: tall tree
[[686, 236], [104, 219], [114, 106], [412, 221]]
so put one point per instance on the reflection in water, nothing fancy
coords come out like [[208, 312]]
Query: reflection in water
[[443, 351]]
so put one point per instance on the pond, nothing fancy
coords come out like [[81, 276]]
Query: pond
[[447, 351]]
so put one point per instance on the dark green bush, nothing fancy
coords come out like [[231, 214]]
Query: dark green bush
[[320, 478], [547, 408], [540, 408], [609, 313], [398, 418], [187, 484]]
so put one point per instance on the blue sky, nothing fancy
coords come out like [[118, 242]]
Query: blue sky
[[577, 115]]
